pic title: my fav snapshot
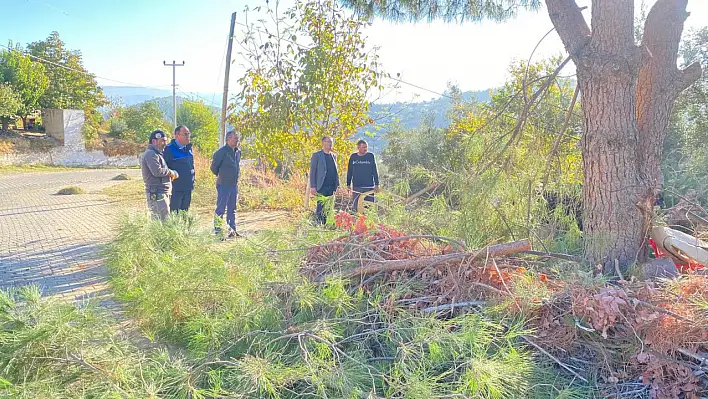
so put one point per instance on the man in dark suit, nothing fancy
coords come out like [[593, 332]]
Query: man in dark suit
[[324, 180]]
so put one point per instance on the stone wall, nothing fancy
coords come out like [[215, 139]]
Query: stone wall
[[67, 127], [53, 122]]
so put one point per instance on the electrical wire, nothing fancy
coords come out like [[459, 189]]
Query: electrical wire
[[81, 71]]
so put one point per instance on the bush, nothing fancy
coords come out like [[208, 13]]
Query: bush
[[71, 190], [122, 176], [117, 128]]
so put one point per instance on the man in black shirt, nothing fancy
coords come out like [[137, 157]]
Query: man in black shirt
[[324, 180], [363, 173]]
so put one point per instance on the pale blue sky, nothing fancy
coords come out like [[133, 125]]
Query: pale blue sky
[[127, 40]]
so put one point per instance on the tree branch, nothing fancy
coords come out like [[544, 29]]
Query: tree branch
[[570, 24], [388, 266], [689, 76], [612, 27]]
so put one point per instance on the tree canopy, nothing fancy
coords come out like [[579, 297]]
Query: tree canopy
[[308, 80], [449, 11], [203, 123], [70, 84], [28, 79], [628, 94]]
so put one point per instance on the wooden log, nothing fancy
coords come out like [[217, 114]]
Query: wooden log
[[388, 266], [420, 193]]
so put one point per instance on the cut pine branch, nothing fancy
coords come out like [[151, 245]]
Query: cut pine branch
[[388, 266]]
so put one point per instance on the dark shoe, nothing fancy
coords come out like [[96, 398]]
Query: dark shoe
[[234, 234]]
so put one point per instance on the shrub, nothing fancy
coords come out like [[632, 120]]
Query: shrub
[[71, 190], [122, 176], [117, 128]]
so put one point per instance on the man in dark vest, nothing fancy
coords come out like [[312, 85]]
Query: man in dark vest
[[179, 157], [324, 180], [362, 172], [226, 167]]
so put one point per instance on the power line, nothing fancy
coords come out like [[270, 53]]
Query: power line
[[25, 52], [310, 48]]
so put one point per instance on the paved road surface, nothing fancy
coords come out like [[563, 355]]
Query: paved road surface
[[52, 240]]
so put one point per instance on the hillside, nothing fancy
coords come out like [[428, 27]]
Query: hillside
[[408, 115]]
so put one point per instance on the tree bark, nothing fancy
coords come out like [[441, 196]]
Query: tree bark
[[607, 63], [628, 93], [659, 84]]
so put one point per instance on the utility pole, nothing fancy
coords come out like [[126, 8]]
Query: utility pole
[[174, 86], [224, 101]]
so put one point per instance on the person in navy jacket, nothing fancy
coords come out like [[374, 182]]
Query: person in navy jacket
[[179, 157]]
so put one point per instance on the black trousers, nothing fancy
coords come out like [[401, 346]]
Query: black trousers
[[180, 201]]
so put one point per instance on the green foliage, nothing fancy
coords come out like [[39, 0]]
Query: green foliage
[[262, 331], [28, 79], [491, 168], [685, 163], [51, 349], [9, 104], [71, 190], [309, 80], [456, 10], [202, 122], [141, 120], [68, 89], [117, 127], [70, 86]]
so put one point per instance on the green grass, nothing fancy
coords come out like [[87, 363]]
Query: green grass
[[242, 322], [71, 190], [41, 168], [12, 169]]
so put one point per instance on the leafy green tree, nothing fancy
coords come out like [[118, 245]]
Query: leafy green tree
[[10, 104], [141, 120], [70, 86], [202, 122], [627, 102], [28, 80], [490, 166], [308, 79]]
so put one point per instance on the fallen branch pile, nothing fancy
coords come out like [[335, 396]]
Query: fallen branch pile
[[633, 338]]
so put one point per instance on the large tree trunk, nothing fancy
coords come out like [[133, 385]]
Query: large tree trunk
[[612, 223], [626, 113], [607, 63]]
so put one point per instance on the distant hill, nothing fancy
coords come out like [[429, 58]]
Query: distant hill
[[411, 115], [407, 115], [132, 95]]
